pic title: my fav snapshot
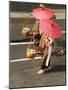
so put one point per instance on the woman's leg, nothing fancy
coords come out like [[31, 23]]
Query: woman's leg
[[44, 58], [45, 66], [48, 57]]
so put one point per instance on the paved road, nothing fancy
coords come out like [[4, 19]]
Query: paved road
[[24, 74]]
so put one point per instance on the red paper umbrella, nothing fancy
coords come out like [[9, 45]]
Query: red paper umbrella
[[56, 31], [42, 13], [50, 28], [45, 26]]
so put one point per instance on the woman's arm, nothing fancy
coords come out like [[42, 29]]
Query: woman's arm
[[51, 40]]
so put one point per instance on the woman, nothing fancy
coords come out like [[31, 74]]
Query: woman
[[45, 66], [45, 45]]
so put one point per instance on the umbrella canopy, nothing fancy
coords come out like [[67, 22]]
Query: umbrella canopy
[[43, 13], [45, 26], [51, 28], [56, 31]]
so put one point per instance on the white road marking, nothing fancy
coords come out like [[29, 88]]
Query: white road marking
[[21, 43], [24, 59]]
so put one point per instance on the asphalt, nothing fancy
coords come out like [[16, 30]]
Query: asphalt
[[24, 74]]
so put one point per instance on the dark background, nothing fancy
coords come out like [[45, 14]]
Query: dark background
[[19, 6]]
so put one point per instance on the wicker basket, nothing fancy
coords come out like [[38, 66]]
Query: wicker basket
[[26, 31], [59, 51], [30, 53]]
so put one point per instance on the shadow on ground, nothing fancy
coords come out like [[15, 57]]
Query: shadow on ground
[[58, 68]]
